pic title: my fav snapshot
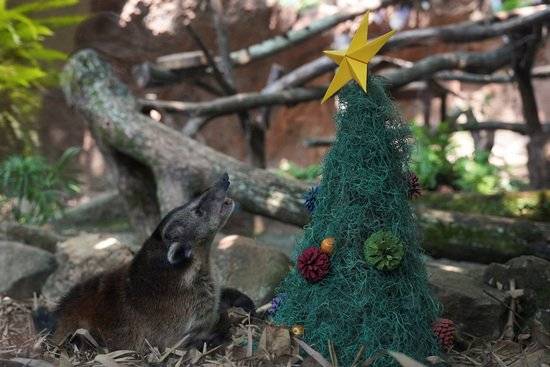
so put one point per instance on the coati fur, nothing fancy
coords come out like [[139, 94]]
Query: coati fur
[[166, 294]]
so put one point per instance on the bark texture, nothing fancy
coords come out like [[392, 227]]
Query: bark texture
[[158, 167]]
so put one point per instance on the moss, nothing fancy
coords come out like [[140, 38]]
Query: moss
[[532, 205], [471, 243]]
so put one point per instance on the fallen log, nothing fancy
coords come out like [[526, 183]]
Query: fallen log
[[159, 168], [481, 238]]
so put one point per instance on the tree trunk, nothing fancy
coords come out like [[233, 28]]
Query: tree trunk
[[481, 238], [159, 167], [538, 163]]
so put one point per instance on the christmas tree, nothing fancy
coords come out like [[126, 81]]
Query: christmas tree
[[359, 280]]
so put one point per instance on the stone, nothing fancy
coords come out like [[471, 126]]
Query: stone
[[531, 273], [253, 268], [466, 300], [24, 269], [84, 256], [105, 210], [25, 362], [41, 237], [540, 327]]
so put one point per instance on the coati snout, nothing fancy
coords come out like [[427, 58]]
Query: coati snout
[[195, 223], [167, 293]]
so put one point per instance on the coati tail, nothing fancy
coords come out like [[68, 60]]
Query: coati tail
[[44, 320], [231, 297]]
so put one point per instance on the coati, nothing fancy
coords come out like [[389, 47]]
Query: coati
[[166, 293]]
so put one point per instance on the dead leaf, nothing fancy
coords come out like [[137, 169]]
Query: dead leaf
[[313, 353], [404, 360], [435, 359], [106, 361], [533, 359], [275, 341], [85, 334]]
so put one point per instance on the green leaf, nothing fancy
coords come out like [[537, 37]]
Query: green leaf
[[46, 54], [40, 5]]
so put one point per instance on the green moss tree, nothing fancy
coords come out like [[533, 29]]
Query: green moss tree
[[364, 191]]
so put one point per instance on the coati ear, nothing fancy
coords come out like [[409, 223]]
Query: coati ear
[[179, 253]]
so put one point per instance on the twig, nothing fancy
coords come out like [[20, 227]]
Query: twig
[[220, 78], [223, 41]]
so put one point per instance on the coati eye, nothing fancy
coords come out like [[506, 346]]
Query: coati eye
[[199, 212]]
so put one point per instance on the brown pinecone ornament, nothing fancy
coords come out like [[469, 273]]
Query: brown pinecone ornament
[[415, 190], [445, 330]]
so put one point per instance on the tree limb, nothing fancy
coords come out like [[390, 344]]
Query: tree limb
[[517, 127], [178, 166], [542, 72], [223, 41], [484, 62], [455, 33], [271, 46]]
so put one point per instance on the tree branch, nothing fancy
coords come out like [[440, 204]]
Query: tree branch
[[456, 33], [223, 41], [518, 127], [484, 62], [222, 79], [180, 166], [271, 46], [542, 72]]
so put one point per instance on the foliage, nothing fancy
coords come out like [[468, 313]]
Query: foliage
[[26, 66], [308, 173], [508, 5], [430, 157], [35, 187], [532, 205], [363, 190], [432, 164]]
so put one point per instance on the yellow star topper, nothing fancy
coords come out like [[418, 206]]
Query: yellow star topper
[[353, 61]]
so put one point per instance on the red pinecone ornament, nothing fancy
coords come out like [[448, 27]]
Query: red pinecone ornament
[[415, 190], [313, 264], [445, 329]]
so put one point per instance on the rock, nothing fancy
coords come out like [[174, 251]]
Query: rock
[[24, 269], [540, 327], [86, 255], [532, 274], [35, 236], [252, 268], [24, 362], [465, 298], [105, 210]]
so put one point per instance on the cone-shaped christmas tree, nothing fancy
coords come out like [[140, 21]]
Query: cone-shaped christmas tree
[[365, 285]]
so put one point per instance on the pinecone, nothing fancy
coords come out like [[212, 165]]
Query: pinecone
[[445, 330], [415, 190], [313, 264]]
